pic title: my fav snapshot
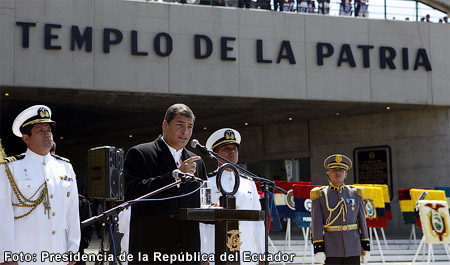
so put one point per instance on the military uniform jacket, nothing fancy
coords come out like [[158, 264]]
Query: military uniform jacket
[[247, 198], [344, 232], [149, 167], [55, 232]]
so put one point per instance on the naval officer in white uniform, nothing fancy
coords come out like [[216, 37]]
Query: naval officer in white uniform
[[226, 142], [38, 195]]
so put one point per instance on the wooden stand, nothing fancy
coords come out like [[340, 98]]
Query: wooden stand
[[225, 220]]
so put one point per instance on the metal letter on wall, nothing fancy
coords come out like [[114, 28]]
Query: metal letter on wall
[[373, 165]]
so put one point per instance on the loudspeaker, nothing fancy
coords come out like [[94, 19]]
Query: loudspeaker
[[105, 173], [121, 185]]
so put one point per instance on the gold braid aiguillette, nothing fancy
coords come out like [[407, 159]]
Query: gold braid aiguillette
[[28, 202]]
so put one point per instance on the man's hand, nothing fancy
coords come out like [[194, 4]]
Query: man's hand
[[320, 257], [189, 166], [73, 262], [365, 258]]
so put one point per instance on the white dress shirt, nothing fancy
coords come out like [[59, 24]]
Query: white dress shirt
[[175, 154]]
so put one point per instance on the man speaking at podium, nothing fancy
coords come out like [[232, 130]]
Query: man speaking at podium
[[151, 166]]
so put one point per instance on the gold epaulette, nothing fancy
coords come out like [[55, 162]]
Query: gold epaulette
[[61, 158], [245, 176], [360, 191], [14, 158], [316, 193]]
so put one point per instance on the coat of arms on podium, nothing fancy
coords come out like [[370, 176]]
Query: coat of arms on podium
[[234, 240]]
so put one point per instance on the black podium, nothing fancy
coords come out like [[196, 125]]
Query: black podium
[[226, 219], [226, 228]]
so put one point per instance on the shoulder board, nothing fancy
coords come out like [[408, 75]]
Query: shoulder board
[[212, 174], [14, 158], [360, 191], [316, 193], [245, 176], [61, 158]]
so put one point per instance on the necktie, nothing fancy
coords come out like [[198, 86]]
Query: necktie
[[178, 163]]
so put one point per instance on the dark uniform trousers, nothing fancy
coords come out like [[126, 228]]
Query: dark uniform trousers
[[339, 260]]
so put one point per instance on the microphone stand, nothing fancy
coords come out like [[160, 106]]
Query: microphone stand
[[114, 211], [266, 185]]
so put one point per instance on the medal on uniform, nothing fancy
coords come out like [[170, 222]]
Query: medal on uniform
[[352, 203]]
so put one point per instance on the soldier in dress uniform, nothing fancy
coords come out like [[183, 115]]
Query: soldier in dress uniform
[[338, 225], [225, 142], [38, 194]]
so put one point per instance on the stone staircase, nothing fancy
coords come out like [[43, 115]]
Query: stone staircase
[[398, 251]]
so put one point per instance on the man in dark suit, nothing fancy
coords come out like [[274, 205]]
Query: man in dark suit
[[150, 166]]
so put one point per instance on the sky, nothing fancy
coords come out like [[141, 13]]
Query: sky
[[398, 9]]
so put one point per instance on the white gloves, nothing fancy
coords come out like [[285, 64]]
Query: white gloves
[[365, 258], [320, 257]]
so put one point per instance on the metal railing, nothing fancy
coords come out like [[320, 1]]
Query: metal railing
[[379, 9]]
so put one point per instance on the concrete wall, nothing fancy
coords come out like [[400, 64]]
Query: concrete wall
[[181, 73], [419, 141]]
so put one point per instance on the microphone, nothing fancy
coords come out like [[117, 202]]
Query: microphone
[[185, 176], [196, 144]]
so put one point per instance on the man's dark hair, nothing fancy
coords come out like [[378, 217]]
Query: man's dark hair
[[27, 129], [173, 110]]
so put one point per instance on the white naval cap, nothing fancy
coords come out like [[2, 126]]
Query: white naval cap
[[223, 136], [32, 115]]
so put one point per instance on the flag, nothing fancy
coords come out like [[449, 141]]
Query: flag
[[374, 206], [387, 199], [447, 192], [275, 224], [285, 203], [425, 194], [406, 206], [303, 204]]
